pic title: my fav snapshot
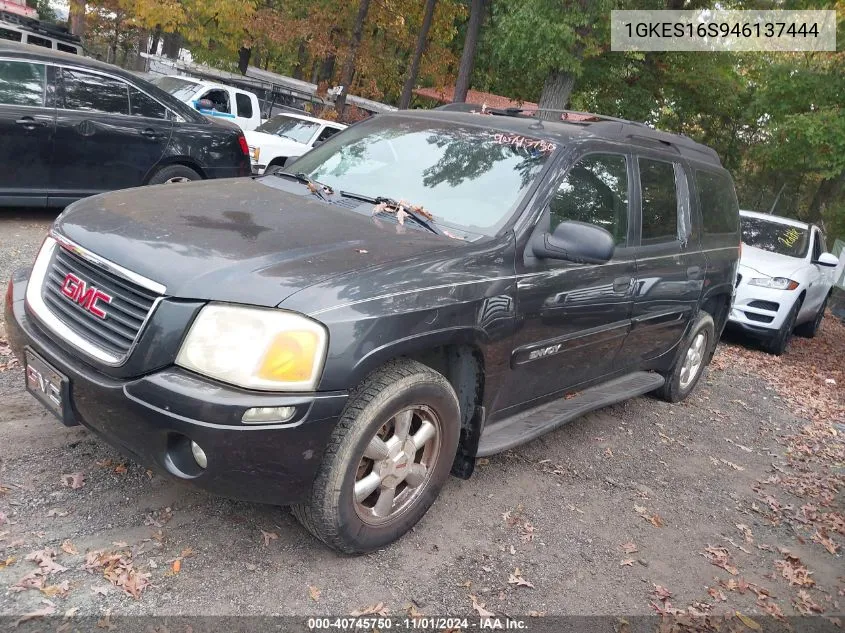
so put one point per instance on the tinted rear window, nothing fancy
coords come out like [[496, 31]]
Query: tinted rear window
[[719, 207], [244, 105]]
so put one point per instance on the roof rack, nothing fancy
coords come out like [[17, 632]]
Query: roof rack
[[32, 25], [634, 131]]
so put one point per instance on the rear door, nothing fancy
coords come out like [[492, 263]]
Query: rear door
[[109, 134], [670, 265], [575, 316], [27, 127]]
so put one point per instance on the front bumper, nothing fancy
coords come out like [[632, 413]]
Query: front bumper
[[154, 417], [760, 311]]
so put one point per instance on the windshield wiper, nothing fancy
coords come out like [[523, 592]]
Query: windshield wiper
[[317, 188], [410, 210]]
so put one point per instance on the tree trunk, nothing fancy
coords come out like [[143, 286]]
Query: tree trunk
[[476, 13], [155, 40], [349, 64], [76, 17], [556, 90], [422, 43], [171, 46], [829, 189], [243, 59], [301, 59]]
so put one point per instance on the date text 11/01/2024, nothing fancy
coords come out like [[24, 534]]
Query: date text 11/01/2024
[[424, 623]]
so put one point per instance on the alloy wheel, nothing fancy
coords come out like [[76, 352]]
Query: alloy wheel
[[397, 464], [694, 360]]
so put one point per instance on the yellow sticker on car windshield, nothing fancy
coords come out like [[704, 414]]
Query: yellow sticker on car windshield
[[790, 237]]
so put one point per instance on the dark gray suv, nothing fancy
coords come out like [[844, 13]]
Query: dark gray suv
[[424, 288]]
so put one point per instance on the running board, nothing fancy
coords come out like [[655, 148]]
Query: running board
[[528, 425]]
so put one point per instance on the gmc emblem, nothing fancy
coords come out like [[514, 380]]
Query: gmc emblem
[[87, 296]]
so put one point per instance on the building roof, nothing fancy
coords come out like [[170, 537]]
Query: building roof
[[498, 102]]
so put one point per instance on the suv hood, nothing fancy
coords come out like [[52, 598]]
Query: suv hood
[[242, 240], [767, 263]]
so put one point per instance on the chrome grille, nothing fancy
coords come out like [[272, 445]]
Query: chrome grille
[[130, 306]]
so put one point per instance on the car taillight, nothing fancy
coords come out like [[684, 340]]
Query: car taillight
[[244, 146]]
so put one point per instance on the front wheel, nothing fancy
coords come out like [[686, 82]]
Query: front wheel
[[780, 341], [810, 328], [689, 365], [386, 461], [173, 174]]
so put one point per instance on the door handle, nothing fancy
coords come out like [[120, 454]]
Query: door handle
[[621, 285], [694, 272], [29, 123], [150, 134]]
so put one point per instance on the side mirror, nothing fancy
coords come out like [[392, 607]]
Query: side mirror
[[828, 259], [204, 104], [317, 143], [575, 242]]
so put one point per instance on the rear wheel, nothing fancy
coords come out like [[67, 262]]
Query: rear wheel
[[386, 461], [809, 329], [691, 360], [172, 174], [780, 341]]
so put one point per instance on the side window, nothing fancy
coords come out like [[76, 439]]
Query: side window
[[220, 99], [327, 133], [22, 83], [659, 202], [94, 93], [9, 34], [717, 199], [39, 41], [244, 105], [141, 104], [67, 49], [595, 191]]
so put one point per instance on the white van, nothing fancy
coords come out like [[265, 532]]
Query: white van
[[214, 99], [40, 36]]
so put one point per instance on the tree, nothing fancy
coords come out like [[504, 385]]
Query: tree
[[422, 43], [349, 64], [476, 14], [76, 17], [545, 43]]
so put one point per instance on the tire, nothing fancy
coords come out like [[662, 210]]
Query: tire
[[272, 169], [692, 358], [172, 174], [780, 341], [809, 329], [403, 392]]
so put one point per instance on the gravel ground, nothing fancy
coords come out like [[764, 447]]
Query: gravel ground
[[664, 480]]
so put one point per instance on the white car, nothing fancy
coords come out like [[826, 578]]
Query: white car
[[784, 279], [214, 100], [285, 137]]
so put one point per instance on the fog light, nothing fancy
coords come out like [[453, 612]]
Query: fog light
[[268, 415], [199, 455]]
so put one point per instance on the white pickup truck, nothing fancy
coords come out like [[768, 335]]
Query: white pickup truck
[[214, 99], [286, 137]]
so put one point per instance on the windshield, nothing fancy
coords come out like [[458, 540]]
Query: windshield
[[179, 88], [775, 237], [289, 127], [465, 176]]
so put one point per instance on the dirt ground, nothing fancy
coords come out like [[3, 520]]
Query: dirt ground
[[726, 502]]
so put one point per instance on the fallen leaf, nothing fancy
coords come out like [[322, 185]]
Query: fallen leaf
[[43, 612], [73, 480], [720, 557], [373, 609], [629, 548], [314, 593], [628, 562], [121, 469], [60, 589], [8, 562], [516, 578], [805, 605], [657, 521], [268, 536], [751, 624], [176, 567], [44, 559], [661, 592], [716, 594], [479, 607], [746, 532]]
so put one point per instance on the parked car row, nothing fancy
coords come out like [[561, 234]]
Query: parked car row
[[73, 127]]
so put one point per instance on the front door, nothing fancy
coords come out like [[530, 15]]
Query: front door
[[27, 125], [670, 265], [111, 135], [575, 316]]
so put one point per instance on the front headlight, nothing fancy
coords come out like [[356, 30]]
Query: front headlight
[[255, 348], [777, 283], [254, 153]]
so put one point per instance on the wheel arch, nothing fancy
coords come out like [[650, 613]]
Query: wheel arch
[[167, 161]]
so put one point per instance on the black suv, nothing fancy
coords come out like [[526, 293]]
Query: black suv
[[424, 288], [72, 127]]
